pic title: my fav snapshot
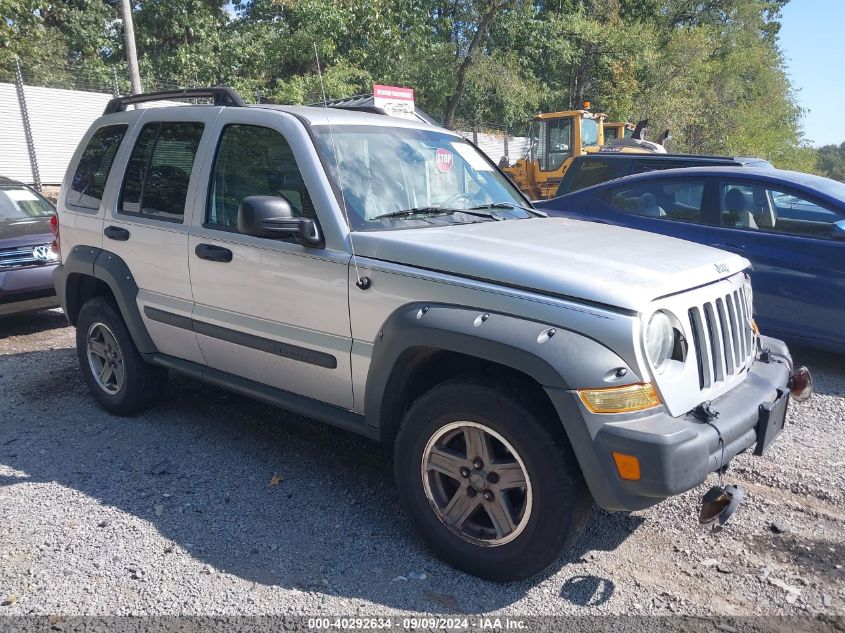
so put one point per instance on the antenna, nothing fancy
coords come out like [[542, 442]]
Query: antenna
[[362, 282]]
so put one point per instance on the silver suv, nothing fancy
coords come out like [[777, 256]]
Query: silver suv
[[383, 276]]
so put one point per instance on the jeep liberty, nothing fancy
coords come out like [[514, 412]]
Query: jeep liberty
[[382, 275]]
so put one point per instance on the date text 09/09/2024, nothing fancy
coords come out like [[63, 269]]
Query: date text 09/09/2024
[[414, 623]]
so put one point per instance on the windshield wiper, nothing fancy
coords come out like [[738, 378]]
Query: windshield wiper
[[407, 213], [510, 205]]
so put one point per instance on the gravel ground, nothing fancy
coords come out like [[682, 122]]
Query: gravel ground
[[212, 504]]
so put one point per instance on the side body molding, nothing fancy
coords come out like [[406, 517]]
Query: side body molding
[[94, 263], [555, 357]]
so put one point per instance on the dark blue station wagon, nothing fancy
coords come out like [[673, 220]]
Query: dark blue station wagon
[[791, 226]]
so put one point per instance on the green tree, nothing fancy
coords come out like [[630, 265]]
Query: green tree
[[711, 71], [63, 44], [180, 41], [831, 161]]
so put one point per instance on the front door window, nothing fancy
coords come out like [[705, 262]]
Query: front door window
[[253, 161], [756, 207], [554, 143]]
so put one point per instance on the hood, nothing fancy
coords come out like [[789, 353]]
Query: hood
[[24, 231], [599, 263]]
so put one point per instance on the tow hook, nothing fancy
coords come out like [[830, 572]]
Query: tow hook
[[800, 384], [719, 504]]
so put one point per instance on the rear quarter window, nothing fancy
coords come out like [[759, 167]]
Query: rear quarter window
[[594, 172], [89, 179]]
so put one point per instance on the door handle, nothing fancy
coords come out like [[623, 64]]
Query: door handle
[[213, 253], [116, 233]]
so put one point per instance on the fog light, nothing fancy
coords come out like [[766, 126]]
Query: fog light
[[620, 399], [801, 384]]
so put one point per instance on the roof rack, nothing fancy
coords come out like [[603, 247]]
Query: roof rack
[[222, 96]]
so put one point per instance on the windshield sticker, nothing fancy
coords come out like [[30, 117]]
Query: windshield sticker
[[444, 159], [472, 157]]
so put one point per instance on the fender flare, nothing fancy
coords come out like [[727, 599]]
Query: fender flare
[[89, 261], [543, 351]]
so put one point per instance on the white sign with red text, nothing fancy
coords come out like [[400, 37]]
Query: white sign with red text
[[396, 101]]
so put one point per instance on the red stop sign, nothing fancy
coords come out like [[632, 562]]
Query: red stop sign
[[443, 159]]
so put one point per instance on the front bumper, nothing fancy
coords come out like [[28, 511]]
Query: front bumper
[[675, 454], [28, 288]]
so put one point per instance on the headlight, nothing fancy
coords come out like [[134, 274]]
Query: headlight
[[659, 340]]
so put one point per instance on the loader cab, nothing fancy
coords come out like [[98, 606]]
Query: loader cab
[[556, 136], [616, 130], [555, 139]]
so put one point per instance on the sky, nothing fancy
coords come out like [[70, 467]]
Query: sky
[[813, 43]]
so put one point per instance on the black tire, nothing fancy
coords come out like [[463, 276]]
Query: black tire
[[561, 501], [142, 385]]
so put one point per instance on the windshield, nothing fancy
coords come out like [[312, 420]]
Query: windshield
[[21, 203], [589, 132], [412, 177]]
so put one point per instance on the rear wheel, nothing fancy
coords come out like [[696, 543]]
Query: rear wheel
[[490, 489], [116, 373]]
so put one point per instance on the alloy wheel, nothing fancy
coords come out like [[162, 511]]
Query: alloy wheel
[[476, 483], [105, 358]]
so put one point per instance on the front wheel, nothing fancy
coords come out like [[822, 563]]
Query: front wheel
[[487, 485]]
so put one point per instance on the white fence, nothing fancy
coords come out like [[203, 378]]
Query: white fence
[[494, 145], [59, 118]]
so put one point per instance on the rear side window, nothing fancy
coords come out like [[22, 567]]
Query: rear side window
[[159, 170], [593, 172], [666, 199], [89, 180]]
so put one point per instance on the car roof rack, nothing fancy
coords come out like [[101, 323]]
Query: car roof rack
[[221, 95]]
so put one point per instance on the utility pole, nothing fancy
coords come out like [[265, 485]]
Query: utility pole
[[131, 53], [27, 127]]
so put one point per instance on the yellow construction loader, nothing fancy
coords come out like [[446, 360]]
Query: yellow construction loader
[[556, 138], [616, 130]]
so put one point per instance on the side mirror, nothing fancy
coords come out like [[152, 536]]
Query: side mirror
[[838, 231], [272, 217]]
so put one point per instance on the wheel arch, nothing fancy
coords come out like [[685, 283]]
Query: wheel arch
[[421, 345], [89, 272]]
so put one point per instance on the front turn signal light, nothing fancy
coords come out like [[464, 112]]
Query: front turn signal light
[[620, 399]]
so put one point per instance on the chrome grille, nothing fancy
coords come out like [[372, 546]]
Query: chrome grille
[[722, 336], [20, 256]]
